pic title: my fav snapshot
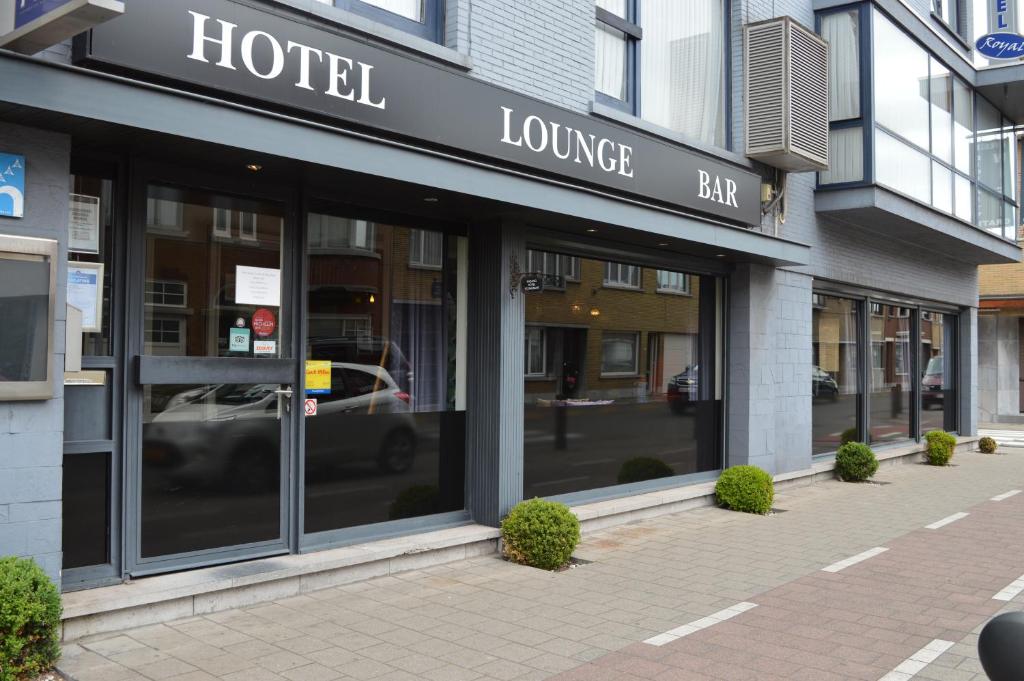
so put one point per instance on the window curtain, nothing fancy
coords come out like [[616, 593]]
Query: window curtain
[[610, 62], [841, 30], [682, 64], [410, 9]]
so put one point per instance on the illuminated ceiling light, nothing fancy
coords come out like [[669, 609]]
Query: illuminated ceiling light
[[663, 243], [254, 167], [720, 255], [595, 312], [372, 299], [430, 199], [591, 230]]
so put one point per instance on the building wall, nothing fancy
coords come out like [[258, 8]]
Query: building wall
[[31, 433]]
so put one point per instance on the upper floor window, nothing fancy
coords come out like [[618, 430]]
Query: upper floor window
[[426, 249], [419, 17], [621, 276], [555, 267], [664, 61], [949, 12], [329, 231], [673, 282]]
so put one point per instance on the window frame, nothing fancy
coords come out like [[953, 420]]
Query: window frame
[[636, 354], [683, 290], [607, 282], [634, 33], [417, 259], [543, 374], [431, 28]]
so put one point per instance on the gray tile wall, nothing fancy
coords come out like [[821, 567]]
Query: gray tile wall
[[31, 433]]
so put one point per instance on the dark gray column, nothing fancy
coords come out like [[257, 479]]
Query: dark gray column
[[494, 413], [968, 375]]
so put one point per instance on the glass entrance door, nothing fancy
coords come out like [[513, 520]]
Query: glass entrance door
[[215, 375]]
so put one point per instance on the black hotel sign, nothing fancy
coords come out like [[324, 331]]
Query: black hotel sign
[[260, 53]]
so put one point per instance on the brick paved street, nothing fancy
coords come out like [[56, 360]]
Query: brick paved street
[[487, 619]]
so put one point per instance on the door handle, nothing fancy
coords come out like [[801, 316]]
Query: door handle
[[284, 400], [284, 392]]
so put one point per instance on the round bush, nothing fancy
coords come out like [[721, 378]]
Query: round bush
[[644, 468], [848, 435], [542, 534], [940, 447], [415, 501], [855, 462], [29, 619], [987, 445], [745, 488]]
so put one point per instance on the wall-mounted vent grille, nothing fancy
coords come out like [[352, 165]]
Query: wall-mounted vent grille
[[786, 78]]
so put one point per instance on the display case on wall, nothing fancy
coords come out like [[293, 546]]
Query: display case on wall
[[28, 274]]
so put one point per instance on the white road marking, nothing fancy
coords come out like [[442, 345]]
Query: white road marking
[[918, 661], [702, 623], [1005, 495], [853, 560], [1010, 592], [946, 521]]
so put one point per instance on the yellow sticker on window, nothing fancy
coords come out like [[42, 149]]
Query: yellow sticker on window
[[318, 377]]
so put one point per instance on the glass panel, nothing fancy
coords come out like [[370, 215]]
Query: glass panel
[[85, 528], [842, 31], [891, 386], [941, 87], [682, 67], [622, 383], [964, 198], [211, 466], [410, 9], [990, 213], [92, 209], [834, 373], [901, 83], [1009, 221], [989, 146], [942, 187], [213, 275], [616, 7], [387, 325], [24, 296], [902, 168], [1009, 160], [847, 156], [938, 389], [963, 125], [610, 59]]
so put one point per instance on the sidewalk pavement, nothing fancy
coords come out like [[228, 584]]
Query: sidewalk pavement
[[743, 597]]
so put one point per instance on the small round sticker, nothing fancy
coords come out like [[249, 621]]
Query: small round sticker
[[263, 322]]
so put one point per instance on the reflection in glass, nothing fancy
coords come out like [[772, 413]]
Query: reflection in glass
[[85, 516], [938, 372], [941, 87], [25, 297], [963, 125], [942, 187], [834, 373], [891, 387], [901, 83], [99, 343], [211, 466], [989, 146], [196, 244], [902, 167], [612, 376], [387, 442]]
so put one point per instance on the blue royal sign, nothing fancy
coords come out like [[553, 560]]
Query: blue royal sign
[[1001, 45], [30, 10], [12, 185]]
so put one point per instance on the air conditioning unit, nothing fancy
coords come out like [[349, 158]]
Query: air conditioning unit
[[786, 86]]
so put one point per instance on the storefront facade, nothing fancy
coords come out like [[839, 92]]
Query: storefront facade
[[364, 277]]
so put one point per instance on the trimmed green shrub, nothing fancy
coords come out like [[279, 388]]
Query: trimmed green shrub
[[848, 435], [987, 445], [745, 488], [940, 447], [644, 468], [415, 501], [855, 462], [29, 619], [542, 534]]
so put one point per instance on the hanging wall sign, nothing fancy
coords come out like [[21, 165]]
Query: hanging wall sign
[[254, 52], [12, 185], [1003, 42], [84, 224]]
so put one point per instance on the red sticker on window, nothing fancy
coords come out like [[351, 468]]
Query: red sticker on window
[[263, 322]]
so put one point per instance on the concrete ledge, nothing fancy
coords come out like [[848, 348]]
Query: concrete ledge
[[195, 592]]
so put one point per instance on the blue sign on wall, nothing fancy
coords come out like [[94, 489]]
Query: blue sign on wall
[[29, 10], [1001, 45], [12, 185]]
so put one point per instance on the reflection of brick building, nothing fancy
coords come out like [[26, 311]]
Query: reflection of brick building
[[1000, 350], [618, 333]]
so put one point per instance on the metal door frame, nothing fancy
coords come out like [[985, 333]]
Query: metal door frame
[[139, 368]]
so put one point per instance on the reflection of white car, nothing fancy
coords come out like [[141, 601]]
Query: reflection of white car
[[230, 432]]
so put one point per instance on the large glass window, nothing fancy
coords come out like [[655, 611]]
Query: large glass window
[[385, 320], [420, 17], [938, 371], [901, 83], [891, 386], [615, 390], [678, 67], [834, 391]]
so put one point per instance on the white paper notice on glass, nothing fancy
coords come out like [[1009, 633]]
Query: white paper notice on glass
[[257, 286], [84, 224], [85, 291]]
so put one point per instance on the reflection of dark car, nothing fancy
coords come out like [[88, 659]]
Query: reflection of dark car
[[682, 390], [231, 433], [822, 384], [931, 384]]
